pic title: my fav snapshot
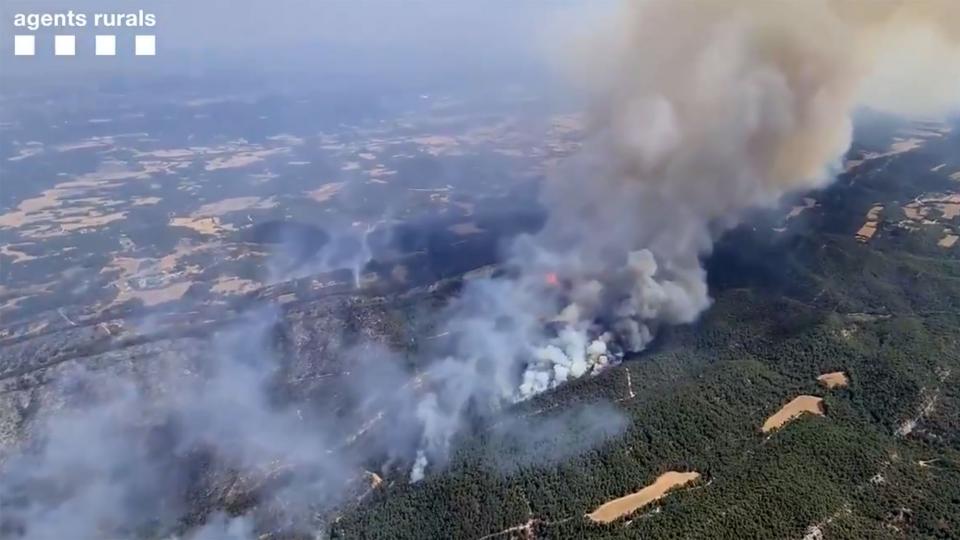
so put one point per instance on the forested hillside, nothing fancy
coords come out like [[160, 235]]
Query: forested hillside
[[795, 298]]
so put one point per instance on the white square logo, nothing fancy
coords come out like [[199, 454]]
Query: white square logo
[[24, 45], [64, 45], [106, 45], [145, 45]]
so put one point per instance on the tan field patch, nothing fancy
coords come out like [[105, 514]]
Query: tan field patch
[[264, 177], [90, 221], [866, 232], [113, 174], [286, 138], [833, 379], [174, 153], [241, 159], [568, 123], [167, 268], [914, 211], [612, 510], [797, 407], [234, 204], [905, 145], [498, 133], [465, 229], [24, 153], [154, 297], [88, 144], [378, 172], [927, 129], [146, 201], [18, 256], [183, 249], [851, 164], [12, 304], [808, 203], [375, 479], [55, 211], [948, 241], [325, 192], [467, 207], [917, 137], [202, 225], [141, 270], [35, 209], [237, 147], [233, 285], [869, 228], [47, 215], [127, 266], [11, 300], [437, 145], [918, 211]]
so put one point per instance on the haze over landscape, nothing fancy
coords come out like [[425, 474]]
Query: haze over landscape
[[485, 270]]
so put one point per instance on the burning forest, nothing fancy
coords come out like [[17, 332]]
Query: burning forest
[[701, 112], [697, 113]]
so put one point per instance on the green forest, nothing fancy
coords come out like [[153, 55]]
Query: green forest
[[882, 462]]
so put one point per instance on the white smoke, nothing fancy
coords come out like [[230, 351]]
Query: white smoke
[[701, 111], [348, 248], [418, 471]]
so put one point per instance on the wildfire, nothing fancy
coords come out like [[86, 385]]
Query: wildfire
[[551, 279]]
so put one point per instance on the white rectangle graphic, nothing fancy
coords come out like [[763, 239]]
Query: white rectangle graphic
[[145, 45], [64, 45], [106, 45], [24, 45]]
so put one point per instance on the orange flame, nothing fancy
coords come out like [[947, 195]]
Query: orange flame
[[551, 279]]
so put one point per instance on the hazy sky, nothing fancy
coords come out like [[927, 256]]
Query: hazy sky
[[355, 35]]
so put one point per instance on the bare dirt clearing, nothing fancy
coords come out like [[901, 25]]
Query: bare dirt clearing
[[869, 228], [234, 204], [203, 225], [233, 285], [325, 192], [465, 229], [153, 297], [808, 203], [834, 379], [612, 510], [797, 407]]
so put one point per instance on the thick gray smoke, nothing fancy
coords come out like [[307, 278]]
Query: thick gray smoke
[[131, 450], [348, 248], [122, 453], [702, 110]]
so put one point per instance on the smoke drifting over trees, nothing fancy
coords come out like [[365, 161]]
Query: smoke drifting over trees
[[701, 111]]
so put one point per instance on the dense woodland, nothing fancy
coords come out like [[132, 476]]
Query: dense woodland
[[789, 306]]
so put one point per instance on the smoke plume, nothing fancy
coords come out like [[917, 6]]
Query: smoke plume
[[701, 111]]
